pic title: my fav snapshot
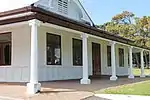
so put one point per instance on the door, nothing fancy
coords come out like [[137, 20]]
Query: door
[[96, 58]]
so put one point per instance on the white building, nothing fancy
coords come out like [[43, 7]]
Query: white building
[[56, 40]]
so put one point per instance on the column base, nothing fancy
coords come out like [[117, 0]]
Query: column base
[[142, 76], [131, 76], [113, 78], [85, 81], [33, 88]]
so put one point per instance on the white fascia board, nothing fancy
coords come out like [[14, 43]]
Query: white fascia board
[[16, 15]]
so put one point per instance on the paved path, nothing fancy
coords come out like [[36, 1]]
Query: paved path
[[64, 90], [121, 97]]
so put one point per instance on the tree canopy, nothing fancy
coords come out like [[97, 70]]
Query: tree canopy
[[127, 25]]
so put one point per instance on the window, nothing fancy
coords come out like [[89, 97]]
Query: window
[[63, 6], [77, 52], [53, 49], [5, 49], [121, 57], [109, 56]]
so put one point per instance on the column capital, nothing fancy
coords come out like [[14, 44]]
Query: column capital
[[34, 22], [84, 35], [141, 50], [112, 42], [130, 47]]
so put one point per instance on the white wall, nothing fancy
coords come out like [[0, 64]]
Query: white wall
[[57, 72], [19, 69], [67, 70], [120, 70]]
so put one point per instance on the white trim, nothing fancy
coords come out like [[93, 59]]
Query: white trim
[[16, 15], [85, 79], [131, 76], [33, 86], [71, 52], [142, 64], [113, 61], [61, 48], [13, 25]]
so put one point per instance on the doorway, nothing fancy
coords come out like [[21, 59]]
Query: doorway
[[96, 59]]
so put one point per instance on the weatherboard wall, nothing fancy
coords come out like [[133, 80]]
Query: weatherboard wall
[[19, 71]]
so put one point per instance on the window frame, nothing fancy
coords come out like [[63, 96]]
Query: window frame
[[110, 56], [81, 64], [60, 46], [10, 53], [121, 65]]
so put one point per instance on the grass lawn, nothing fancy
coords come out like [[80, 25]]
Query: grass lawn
[[137, 71], [141, 88]]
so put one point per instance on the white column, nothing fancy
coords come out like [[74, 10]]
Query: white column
[[34, 87], [85, 79], [149, 60], [113, 61], [131, 76], [142, 64]]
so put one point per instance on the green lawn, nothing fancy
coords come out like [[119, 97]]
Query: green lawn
[[142, 88], [137, 71]]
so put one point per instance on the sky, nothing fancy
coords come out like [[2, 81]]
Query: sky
[[100, 11], [13, 4]]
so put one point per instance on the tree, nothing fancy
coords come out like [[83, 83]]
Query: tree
[[121, 24], [128, 26], [143, 31], [124, 18]]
